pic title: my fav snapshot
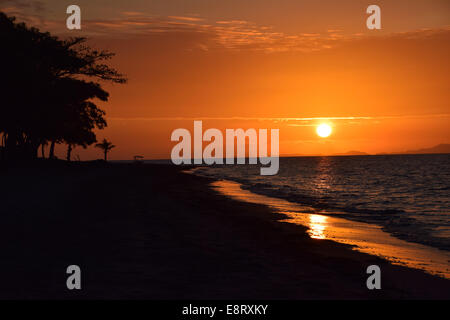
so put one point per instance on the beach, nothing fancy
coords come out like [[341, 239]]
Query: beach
[[141, 231]]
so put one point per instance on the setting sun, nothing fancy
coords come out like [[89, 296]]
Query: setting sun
[[323, 130]]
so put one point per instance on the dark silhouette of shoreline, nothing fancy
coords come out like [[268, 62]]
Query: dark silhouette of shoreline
[[154, 232]]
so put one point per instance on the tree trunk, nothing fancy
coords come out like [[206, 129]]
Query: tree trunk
[[11, 145], [34, 151], [69, 151], [106, 155], [51, 154], [33, 147]]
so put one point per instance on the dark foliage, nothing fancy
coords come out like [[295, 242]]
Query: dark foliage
[[46, 95]]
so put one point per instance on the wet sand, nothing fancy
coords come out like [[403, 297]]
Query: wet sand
[[154, 232], [364, 237]]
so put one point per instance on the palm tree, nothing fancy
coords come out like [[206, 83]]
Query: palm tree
[[106, 146]]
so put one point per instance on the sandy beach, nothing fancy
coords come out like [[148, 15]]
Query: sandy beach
[[155, 232]]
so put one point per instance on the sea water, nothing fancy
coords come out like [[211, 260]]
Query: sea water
[[405, 197]]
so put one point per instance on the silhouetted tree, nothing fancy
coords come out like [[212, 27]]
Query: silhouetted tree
[[78, 116], [43, 145], [106, 146], [44, 89]]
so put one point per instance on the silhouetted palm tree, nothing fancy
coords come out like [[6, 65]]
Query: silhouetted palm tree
[[106, 146]]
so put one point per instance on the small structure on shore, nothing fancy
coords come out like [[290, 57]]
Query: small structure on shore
[[138, 159]]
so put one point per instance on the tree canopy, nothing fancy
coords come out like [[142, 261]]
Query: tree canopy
[[46, 91]]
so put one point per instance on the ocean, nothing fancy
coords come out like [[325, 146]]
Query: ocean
[[406, 196]]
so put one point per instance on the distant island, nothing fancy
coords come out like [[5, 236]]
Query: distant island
[[352, 153], [440, 148]]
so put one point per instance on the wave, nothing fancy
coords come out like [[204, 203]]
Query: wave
[[401, 206]]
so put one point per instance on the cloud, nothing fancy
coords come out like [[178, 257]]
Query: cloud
[[305, 121], [34, 5], [228, 34], [132, 13], [202, 35], [192, 19], [28, 11]]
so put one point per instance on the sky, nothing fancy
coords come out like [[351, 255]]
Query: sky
[[275, 64]]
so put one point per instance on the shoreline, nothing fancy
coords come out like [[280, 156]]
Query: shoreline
[[154, 232], [365, 237]]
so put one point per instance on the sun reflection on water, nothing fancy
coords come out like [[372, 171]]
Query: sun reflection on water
[[364, 237], [317, 226], [324, 178]]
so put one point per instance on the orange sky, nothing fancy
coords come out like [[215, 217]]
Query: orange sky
[[268, 64]]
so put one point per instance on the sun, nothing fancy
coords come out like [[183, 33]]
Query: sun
[[323, 130]]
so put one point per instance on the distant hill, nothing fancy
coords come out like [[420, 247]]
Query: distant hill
[[352, 153], [440, 148]]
